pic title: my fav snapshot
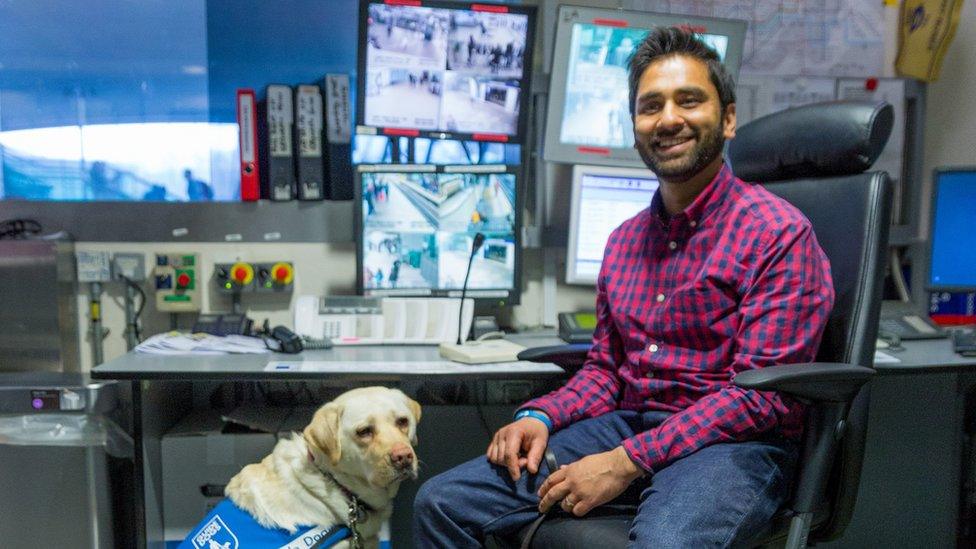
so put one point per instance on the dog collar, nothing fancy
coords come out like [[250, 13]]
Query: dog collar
[[357, 507]]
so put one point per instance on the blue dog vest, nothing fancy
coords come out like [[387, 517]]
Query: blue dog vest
[[230, 527]]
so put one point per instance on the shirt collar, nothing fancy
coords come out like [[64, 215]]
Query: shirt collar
[[705, 203]]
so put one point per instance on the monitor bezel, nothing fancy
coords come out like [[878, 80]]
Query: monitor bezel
[[929, 286], [579, 171], [513, 294], [556, 151], [524, 83]]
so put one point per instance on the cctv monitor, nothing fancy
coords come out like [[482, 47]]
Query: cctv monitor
[[442, 69], [589, 119], [602, 198], [952, 258], [415, 226]]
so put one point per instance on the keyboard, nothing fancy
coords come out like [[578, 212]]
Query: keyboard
[[902, 321], [964, 341]]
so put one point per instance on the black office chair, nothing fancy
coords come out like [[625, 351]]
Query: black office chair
[[814, 157]]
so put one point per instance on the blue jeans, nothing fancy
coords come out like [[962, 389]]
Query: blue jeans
[[714, 497]]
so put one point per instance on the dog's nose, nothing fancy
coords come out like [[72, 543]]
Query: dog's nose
[[401, 456]]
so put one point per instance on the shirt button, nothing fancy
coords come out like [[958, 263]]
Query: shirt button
[[693, 223], [650, 374], [660, 298], [673, 245], [652, 347]]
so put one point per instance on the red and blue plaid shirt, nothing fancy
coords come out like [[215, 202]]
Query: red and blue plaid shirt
[[736, 281]]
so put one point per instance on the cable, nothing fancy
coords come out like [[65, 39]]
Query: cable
[[477, 405], [897, 276], [142, 304], [484, 421], [19, 228]]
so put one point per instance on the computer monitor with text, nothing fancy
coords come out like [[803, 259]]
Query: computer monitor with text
[[603, 197]]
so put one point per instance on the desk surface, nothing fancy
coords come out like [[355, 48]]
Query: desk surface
[[386, 363], [351, 363], [926, 355]]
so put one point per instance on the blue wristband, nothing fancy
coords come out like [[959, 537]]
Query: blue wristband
[[537, 414]]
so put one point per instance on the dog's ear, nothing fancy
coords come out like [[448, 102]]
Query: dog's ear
[[414, 408], [323, 431]]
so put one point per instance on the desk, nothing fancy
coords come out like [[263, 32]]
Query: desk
[[910, 482], [927, 356], [162, 393]]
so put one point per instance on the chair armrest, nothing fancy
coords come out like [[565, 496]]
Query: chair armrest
[[817, 381], [571, 355]]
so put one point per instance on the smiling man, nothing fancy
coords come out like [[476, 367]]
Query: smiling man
[[716, 277]]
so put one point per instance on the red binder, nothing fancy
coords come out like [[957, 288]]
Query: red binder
[[247, 124]]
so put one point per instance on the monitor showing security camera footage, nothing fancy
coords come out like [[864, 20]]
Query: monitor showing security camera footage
[[416, 225], [588, 117], [444, 69]]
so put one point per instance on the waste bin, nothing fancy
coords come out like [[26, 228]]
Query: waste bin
[[62, 459]]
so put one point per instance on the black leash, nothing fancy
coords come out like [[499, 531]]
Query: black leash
[[530, 533]]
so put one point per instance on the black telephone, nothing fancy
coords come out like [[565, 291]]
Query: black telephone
[[577, 327], [288, 341], [223, 324]]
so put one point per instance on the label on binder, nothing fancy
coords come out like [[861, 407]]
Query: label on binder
[[339, 128], [279, 120], [247, 125], [309, 111], [308, 142]]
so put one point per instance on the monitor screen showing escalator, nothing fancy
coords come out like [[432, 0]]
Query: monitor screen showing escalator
[[416, 230]]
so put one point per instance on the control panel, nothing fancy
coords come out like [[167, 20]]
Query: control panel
[[274, 277], [278, 276], [234, 277], [175, 280]]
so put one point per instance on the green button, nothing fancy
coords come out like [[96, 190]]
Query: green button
[[176, 297], [188, 261]]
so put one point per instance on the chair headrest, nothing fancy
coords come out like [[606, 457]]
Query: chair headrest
[[817, 140]]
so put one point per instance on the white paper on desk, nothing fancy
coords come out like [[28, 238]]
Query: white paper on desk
[[881, 357], [402, 367], [178, 343]]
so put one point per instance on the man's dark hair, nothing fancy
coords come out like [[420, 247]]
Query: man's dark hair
[[668, 41]]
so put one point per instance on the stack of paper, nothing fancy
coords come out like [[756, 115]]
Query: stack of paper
[[178, 343]]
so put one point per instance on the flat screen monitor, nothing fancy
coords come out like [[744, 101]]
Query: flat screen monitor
[[416, 226], [444, 69], [952, 263], [603, 197], [589, 118]]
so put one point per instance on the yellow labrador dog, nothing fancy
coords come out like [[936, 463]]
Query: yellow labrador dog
[[344, 469]]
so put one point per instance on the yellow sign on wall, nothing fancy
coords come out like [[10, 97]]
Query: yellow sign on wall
[[925, 31]]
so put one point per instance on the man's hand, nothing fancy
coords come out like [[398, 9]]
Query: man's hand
[[589, 482], [519, 444]]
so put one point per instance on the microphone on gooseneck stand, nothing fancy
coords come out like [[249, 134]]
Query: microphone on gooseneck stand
[[479, 239]]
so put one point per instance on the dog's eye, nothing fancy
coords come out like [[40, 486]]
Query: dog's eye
[[364, 432], [402, 422]]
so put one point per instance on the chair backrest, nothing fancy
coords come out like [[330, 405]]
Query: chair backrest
[[814, 157]]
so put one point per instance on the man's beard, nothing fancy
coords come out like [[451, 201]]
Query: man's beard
[[709, 144]]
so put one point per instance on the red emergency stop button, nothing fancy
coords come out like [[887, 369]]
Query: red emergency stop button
[[242, 273], [282, 273], [183, 280]]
